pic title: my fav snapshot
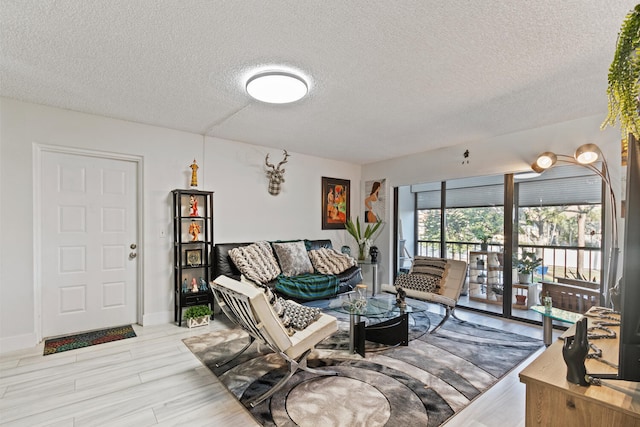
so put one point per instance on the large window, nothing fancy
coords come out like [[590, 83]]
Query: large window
[[474, 216], [558, 217]]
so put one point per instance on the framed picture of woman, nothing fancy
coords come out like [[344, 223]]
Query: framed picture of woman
[[336, 197], [374, 200]]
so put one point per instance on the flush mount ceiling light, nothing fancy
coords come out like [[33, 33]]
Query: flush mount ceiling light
[[277, 87]]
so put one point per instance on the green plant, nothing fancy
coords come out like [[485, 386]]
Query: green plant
[[197, 311], [527, 262], [497, 289], [355, 230], [624, 73]]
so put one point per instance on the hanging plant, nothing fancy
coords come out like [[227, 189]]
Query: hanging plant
[[624, 73]]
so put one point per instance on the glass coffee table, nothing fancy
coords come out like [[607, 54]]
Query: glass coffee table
[[548, 316], [380, 320]]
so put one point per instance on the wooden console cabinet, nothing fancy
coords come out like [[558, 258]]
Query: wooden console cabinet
[[553, 401]]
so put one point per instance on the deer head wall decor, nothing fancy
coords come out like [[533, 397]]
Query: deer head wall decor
[[275, 174]]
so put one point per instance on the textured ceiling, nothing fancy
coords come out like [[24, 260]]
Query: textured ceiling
[[387, 78]]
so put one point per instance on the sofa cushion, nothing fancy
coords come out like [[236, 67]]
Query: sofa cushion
[[222, 262], [293, 258], [317, 244], [256, 262], [329, 261]]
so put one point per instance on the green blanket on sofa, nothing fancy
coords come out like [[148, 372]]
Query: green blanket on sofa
[[308, 286]]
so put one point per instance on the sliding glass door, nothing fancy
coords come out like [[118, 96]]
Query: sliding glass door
[[551, 232]]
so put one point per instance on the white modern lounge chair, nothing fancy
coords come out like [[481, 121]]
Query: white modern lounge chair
[[247, 305], [450, 287]]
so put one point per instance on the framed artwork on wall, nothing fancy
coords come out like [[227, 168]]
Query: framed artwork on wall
[[336, 197], [374, 200]]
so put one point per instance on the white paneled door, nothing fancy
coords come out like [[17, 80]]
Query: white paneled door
[[88, 242]]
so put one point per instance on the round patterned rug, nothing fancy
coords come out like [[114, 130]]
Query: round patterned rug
[[424, 383]]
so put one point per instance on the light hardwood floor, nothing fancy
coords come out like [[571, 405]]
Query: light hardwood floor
[[154, 379]]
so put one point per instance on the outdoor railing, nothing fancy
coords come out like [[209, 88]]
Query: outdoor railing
[[557, 261]]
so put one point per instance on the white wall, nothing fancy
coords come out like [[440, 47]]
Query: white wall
[[244, 211], [505, 154], [243, 208]]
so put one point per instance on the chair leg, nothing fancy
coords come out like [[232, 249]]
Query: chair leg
[[444, 319], [303, 365], [229, 359], [453, 313], [294, 365]]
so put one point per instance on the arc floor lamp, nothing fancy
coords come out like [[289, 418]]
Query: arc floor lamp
[[586, 155]]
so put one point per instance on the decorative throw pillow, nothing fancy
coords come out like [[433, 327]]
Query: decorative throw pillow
[[277, 305], [329, 261], [293, 258], [429, 265], [256, 262], [300, 316], [419, 282]]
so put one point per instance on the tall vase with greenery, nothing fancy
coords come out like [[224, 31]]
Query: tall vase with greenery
[[624, 73], [363, 239]]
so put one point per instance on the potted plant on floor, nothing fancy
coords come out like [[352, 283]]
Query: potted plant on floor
[[498, 290], [197, 315], [526, 264]]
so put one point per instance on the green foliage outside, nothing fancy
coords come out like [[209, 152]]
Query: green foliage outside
[[463, 224], [560, 226], [547, 225]]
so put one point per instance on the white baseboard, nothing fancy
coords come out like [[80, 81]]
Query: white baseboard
[[159, 318], [19, 342]]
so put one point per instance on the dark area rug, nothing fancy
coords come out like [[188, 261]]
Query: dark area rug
[[422, 384], [71, 342]]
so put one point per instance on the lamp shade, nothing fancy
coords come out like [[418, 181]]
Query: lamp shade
[[536, 169], [546, 160], [276, 87], [587, 153]]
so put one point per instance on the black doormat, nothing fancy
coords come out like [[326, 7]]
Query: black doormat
[[71, 342]]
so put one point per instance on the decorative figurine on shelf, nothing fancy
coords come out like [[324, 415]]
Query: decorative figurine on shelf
[[194, 285], [194, 174], [193, 206], [401, 294], [373, 251], [203, 285], [574, 352], [185, 288], [194, 230]]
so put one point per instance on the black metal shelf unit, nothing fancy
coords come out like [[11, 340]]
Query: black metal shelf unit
[[192, 248]]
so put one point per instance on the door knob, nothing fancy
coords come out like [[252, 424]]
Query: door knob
[[133, 246]]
